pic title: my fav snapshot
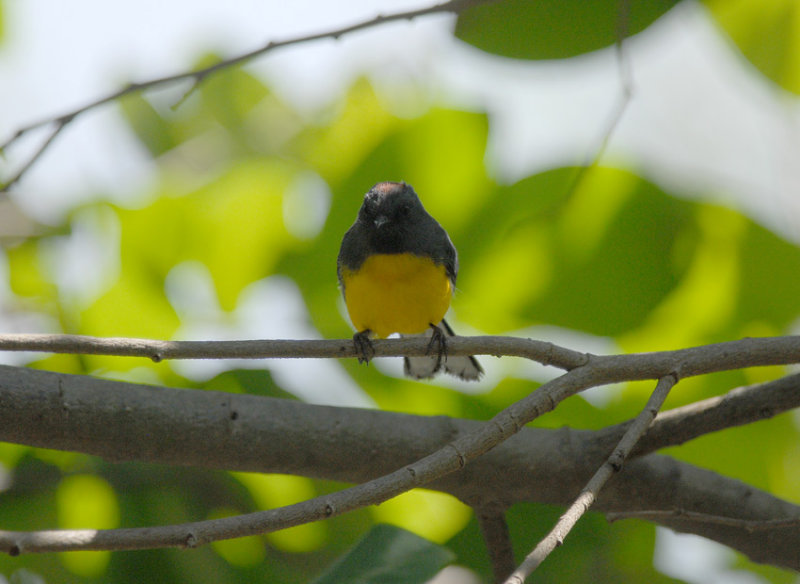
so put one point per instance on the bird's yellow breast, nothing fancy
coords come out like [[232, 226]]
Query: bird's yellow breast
[[396, 293]]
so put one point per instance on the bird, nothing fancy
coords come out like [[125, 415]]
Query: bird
[[397, 270]]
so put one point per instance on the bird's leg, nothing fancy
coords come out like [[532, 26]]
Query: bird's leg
[[363, 346], [437, 343]]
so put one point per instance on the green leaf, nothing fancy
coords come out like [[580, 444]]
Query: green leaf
[[251, 381], [389, 555], [27, 275], [767, 33], [770, 287], [595, 259], [153, 131], [554, 29], [230, 94]]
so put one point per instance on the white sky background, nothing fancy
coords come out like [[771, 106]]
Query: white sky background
[[699, 123]]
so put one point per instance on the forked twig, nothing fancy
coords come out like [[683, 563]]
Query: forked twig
[[589, 493]]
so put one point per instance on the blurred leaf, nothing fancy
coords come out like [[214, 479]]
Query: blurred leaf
[[135, 306], [430, 514], [770, 287], [387, 555], [229, 115], [251, 381], [241, 551], [230, 94], [270, 491], [702, 304], [554, 29], [153, 131], [233, 226], [607, 283], [86, 501], [767, 32], [27, 276], [598, 261], [335, 148]]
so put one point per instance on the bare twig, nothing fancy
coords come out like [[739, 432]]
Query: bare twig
[[58, 125], [494, 529], [543, 352], [589, 494], [621, 105], [750, 525], [743, 405], [750, 352], [199, 75]]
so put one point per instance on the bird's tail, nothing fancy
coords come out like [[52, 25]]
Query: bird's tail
[[466, 368]]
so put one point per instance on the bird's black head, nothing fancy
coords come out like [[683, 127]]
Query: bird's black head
[[390, 213]]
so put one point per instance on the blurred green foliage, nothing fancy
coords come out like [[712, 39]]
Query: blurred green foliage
[[384, 554], [766, 33], [554, 29], [251, 190]]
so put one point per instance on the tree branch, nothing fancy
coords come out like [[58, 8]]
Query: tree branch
[[199, 75], [750, 352], [123, 421], [494, 529], [749, 525], [743, 405], [543, 352], [588, 495]]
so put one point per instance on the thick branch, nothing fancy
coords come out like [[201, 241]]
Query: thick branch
[[122, 421]]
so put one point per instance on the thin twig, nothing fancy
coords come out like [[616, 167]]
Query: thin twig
[[492, 520], [589, 494], [60, 124], [156, 350], [742, 405], [749, 525], [199, 75], [621, 105]]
